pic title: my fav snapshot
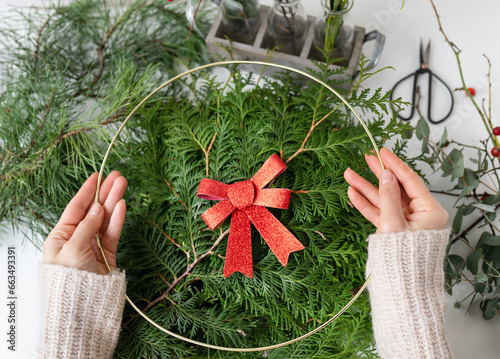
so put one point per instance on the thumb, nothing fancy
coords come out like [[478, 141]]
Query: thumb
[[391, 212], [88, 227]]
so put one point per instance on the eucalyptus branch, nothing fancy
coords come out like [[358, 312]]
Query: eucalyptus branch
[[471, 227], [178, 279], [457, 194]]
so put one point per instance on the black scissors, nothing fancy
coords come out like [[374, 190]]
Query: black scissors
[[424, 69]]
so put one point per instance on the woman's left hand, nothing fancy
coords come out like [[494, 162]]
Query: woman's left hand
[[73, 242]]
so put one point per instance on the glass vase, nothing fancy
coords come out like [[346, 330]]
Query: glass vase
[[240, 19], [287, 26], [334, 31]]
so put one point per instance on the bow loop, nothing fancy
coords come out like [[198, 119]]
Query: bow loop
[[212, 190], [271, 169]]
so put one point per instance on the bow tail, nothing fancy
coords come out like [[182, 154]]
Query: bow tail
[[239, 246], [281, 241]]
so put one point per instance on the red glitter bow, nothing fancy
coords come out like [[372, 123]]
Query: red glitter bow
[[247, 200]]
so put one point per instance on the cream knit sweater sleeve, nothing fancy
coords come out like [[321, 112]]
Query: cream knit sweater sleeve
[[407, 294], [81, 312]]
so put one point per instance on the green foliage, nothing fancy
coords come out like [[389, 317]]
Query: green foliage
[[477, 193], [238, 124], [68, 75], [60, 111]]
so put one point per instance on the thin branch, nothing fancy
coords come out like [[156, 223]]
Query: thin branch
[[37, 42], [79, 131], [194, 19], [207, 152], [42, 122], [100, 52], [178, 279], [175, 193]]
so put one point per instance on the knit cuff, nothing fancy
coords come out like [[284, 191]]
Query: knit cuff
[[81, 312], [407, 293]]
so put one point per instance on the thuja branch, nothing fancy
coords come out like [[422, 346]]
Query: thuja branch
[[178, 279], [303, 145]]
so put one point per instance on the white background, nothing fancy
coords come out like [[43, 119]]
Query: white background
[[474, 26]]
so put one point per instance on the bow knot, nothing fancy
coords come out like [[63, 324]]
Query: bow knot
[[241, 194], [246, 200]]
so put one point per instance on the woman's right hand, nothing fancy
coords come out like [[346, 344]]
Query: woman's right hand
[[402, 201]]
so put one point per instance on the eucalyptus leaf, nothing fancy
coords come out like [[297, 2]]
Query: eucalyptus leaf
[[480, 243], [444, 138], [453, 164], [473, 261], [492, 240], [484, 207], [492, 256], [491, 200], [425, 145], [480, 278], [454, 266], [491, 216], [482, 287], [469, 209], [457, 221], [470, 178], [490, 307], [422, 129]]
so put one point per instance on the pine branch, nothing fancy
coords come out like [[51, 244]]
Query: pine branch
[[37, 42]]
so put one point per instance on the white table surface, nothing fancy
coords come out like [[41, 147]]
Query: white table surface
[[472, 25]]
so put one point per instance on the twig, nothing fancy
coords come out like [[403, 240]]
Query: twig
[[76, 132], [194, 19], [178, 279], [457, 194], [100, 52], [207, 152], [42, 122], [175, 193], [166, 235], [37, 42]]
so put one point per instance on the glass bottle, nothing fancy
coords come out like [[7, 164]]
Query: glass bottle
[[334, 31], [240, 19], [287, 26]]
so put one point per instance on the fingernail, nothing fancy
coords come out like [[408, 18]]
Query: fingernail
[[386, 177], [96, 209]]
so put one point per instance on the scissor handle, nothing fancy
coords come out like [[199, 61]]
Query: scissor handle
[[414, 74], [414, 94], [431, 74]]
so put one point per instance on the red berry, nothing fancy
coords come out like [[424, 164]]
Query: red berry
[[496, 131], [472, 91], [495, 151]]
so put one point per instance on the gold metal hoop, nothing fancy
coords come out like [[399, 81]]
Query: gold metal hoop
[[166, 83]]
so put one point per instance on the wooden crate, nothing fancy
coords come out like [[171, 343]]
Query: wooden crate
[[216, 44]]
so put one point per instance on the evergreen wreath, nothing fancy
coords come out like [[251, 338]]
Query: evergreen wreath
[[201, 127]]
